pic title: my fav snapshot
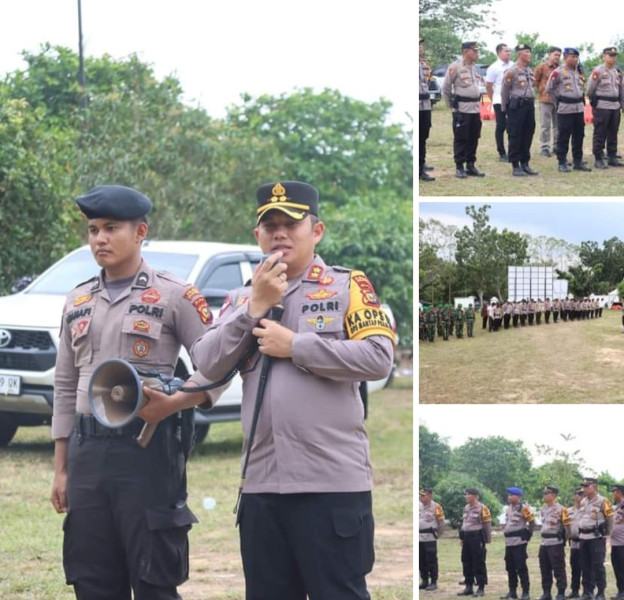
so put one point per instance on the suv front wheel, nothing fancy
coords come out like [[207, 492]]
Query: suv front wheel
[[7, 430]]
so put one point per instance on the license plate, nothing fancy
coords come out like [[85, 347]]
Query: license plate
[[10, 385], [432, 95]]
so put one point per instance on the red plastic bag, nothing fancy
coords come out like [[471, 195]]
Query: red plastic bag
[[487, 109], [589, 114]]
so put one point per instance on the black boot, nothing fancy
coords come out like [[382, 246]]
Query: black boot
[[600, 164], [480, 592], [545, 596], [614, 162], [518, 171], [472, 170], [560, 595], [424, 176], [432, 586], [581, 166], [467, 591], [573, 594], [460, 172], [424, 584], [509, 594], [528, 170], [427, 167], [563, 168], [525, 595]]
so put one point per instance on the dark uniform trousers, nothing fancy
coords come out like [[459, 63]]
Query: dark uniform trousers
[[514, 320], [606, 125], [501, 126], [506, 319], [428, 561], [319, 545], [531, 318], [547, 316], [127, 522], [523, 317], [521, 127], [575, 570], [552, 562], [573, 126], [466, 134], [592, 564], [617, 561], [516, 565], [473, 555], [555, 316], [424, 124]]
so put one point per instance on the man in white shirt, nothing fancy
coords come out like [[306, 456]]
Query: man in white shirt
[[493, 85]]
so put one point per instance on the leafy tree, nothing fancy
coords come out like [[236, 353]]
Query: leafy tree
[[495, 461], [434, 457], [450, 493]]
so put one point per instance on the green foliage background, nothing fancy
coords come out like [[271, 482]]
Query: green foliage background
[[200, 172]]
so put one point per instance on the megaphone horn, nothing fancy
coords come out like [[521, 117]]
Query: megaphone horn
[[115, 396]]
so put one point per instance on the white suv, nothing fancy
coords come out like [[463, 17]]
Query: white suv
[[30, 323]]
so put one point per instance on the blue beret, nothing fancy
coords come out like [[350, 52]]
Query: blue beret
[[114, 202], [572, 51], [515, 491], [295, 198]]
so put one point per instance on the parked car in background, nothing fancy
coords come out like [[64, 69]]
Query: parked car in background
[[435, 91], [30, 326]]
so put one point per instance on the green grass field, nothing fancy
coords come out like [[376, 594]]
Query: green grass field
[[449, 561], [499, 181], [563, 363], [31, 537]]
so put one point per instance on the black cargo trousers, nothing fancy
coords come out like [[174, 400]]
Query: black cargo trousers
[[127, 524]]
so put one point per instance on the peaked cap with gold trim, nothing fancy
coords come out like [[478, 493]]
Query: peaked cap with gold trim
[[295, 198]]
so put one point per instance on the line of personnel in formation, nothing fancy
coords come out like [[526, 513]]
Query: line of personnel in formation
[[495, 315], [512, 87], [585, 526]]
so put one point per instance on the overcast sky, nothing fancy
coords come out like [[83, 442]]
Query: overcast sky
[[597, 429], [219, 50], [557, 24], [572, 221]]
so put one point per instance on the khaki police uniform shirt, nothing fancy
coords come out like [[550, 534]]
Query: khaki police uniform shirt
[[567, 83], [310, 435], [477, 518], [554, 519], [463, 79], [595, 512], [575, 516], [424, 76], [617, 533], [517, 521], [145, 326], [430, 517], [607, 83], [518, 82]]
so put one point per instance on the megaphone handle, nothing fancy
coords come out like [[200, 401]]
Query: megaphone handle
[[146, 434]]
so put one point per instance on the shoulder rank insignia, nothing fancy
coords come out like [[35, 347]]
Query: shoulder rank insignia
[[315, 273]]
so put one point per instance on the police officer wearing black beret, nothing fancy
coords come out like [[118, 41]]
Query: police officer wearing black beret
[[127, 523]]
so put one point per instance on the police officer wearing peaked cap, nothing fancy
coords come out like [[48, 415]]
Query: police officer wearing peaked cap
[[430, 527], [424, 111], [555, 521], [127, 523], [617, 540], [307, 490]]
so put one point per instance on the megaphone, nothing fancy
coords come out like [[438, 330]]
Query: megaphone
[[115, 396]]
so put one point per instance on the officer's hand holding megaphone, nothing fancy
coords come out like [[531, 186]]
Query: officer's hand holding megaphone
[[158, 405]]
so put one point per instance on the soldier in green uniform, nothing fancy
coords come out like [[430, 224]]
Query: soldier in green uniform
[[459, 321], [447, 317], [470, 318], [430, 323], [439, 310]]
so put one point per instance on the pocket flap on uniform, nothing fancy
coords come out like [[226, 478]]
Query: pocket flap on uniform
[[169, 518], [141, 326], [347, 522]]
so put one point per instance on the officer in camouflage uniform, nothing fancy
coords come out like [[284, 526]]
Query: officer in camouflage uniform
[[606, 94], [475, 533], [463, 95], [575, 554], [519, 526], [459, 318], [430, 323], [617, 539], [430, 528], [424, 111], [470, 318], [518, 102], [555, 519], [438, 312], [447, 317], [595, 524]]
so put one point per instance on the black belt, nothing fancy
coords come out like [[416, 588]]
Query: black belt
[[518, 533], [473, 533], [423, 96], [570, 100], [89, 426], [467, 99], [551, 536], [430, 530], [608, 98], [592, 530]]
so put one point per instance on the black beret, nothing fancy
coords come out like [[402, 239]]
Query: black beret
[[473, 491], [617, 488], [295, 198], [469, 46], [550, 489], [520, 47], [610, 50], [114, 202]]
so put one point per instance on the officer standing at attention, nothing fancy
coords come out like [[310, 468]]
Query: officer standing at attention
[[567, 84], [459, 317], [127, 518], [462, 94], [518, 102], [575, 554], [555, 520], [475, 533], [595, 524], [493, 85], [470, 319], [519, 526], [430, 528], [306, 520], [617, 540], [424, 111], [606, 95]]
